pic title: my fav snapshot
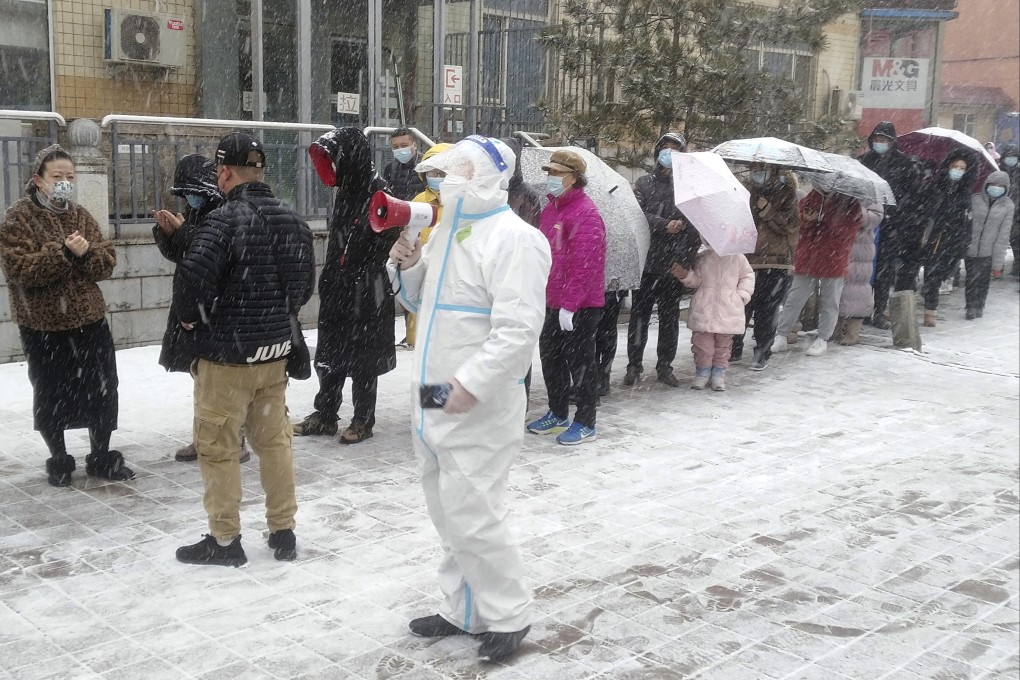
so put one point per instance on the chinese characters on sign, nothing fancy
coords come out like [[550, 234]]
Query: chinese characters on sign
[[892, 83], [453, 92], [349, 103]]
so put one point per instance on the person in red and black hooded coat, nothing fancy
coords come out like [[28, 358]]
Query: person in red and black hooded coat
[[356, 309]]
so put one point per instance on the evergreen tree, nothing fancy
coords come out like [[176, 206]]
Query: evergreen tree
[[637, 68]]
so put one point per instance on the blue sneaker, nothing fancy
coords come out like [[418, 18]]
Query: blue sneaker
[[577, 434], [548, 424]]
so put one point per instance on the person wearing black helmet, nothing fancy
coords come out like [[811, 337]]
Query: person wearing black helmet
[[673, 239]]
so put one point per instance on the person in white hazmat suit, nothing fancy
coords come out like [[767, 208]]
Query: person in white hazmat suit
[[478, 288]]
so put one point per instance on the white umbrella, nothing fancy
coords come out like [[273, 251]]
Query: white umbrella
[[935, 143], [627, 234], [715, 202], [773, 151], [853, 179]]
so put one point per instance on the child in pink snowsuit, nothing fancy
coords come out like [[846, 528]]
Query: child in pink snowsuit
[[724, 284]]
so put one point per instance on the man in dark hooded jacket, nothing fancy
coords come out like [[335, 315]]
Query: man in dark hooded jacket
[[195, 182], [1009, 162], [356, 308], [892, 165], [673, 239]]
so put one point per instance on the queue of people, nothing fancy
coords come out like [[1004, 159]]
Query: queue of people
[[497, 275]]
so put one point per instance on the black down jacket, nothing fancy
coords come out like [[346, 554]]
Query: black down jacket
[[195, 175], [894, 167], [654, 193], [945, 207], [228, 282], [356, 310]]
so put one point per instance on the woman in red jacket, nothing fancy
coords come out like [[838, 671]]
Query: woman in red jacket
[[829, 223], [574, 299]]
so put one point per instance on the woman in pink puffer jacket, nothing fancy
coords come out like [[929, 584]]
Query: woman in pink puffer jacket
[[724, 284]]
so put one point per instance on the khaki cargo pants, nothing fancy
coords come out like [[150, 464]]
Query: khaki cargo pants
[[227, 397]]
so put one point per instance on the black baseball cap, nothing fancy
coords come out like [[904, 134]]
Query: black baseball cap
[[237, 149]]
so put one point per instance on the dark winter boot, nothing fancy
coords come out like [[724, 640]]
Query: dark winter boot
[[109, 465], [667, 377], [356, 432], [186, 454], [499, 646], [316, 423], [284, 545], [970, 314], [208, 551], [434, 626], [59, 469], [633, 375]]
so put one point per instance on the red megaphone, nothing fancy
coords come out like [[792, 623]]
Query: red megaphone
[[386, 212]]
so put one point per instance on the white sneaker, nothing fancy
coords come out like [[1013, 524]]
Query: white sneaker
[[780, 344], [946, 288], [817, 348]]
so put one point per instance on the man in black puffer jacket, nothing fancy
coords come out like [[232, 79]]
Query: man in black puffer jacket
[[249, 265], [673, 239], [892, 165]]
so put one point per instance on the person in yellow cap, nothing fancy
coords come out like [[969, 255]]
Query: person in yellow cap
[[431, 180]]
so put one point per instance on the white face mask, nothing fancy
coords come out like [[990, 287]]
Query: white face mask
[[1011, 161], [62, 190]]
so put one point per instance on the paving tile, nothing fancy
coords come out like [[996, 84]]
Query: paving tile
[[699, 535]]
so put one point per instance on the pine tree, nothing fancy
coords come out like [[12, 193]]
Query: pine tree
[[637, 68]]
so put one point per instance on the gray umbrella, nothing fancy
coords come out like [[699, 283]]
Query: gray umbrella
[[773, 151], [853, 179], [627, 233]]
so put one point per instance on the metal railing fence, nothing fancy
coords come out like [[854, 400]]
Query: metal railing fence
[[143, 162], [18, 149]]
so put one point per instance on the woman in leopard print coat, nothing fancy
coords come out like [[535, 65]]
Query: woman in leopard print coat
[[52, 254]]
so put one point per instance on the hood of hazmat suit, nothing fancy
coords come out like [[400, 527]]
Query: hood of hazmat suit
[[479, 293]]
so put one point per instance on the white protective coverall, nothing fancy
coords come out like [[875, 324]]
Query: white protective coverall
[[479, 292]]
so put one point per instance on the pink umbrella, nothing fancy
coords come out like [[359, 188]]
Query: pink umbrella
[[715, 202], [934, 144]]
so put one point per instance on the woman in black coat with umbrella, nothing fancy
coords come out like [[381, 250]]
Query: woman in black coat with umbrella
[[943, 209], [356, 312]]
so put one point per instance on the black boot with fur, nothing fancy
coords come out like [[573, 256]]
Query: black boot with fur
[[59, 469], [109, 465]]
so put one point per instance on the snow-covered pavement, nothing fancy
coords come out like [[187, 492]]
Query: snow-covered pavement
[[848, 516]]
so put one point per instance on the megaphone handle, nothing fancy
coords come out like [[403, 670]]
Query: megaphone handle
[[411, 233]]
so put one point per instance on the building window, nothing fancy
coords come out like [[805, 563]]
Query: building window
[[793, 63], [24, 55], [964, 122]]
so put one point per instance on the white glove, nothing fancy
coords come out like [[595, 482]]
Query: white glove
[[566, 320]]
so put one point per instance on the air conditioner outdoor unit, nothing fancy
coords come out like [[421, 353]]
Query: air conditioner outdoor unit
[[145, 38], [845, 103]]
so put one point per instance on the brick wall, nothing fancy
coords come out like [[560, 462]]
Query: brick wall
[[87, 88]]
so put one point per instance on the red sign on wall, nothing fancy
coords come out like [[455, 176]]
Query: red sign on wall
[[175, 24]]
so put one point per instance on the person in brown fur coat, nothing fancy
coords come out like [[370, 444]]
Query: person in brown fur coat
[[52, 254]]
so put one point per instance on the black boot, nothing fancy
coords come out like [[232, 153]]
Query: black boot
[[208, 551], [317, 423], [498, 646], [109, 465], [59, 469], [434, 626], [633, 375], [284, 545]]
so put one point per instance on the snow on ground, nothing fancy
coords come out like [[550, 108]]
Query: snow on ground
[[849, 516]]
